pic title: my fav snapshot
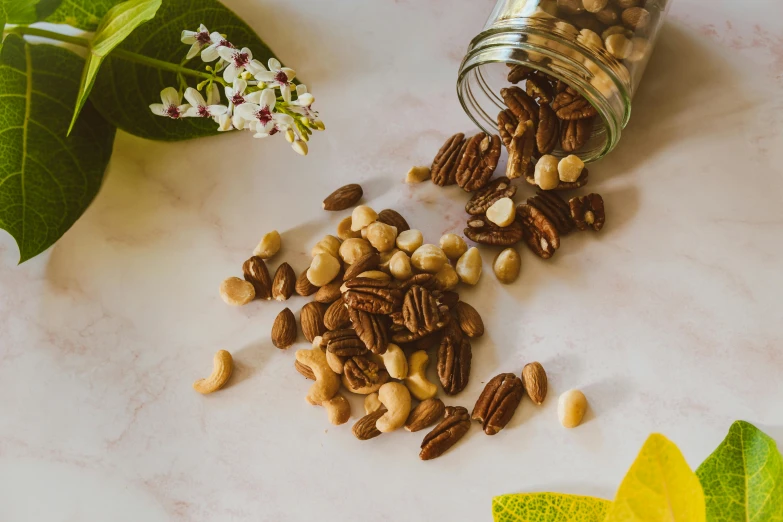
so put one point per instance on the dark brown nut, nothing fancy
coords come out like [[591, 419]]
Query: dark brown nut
[[425, 414], [481, 230], [444, 166], [344, 343], [420, 310], [401, 335], [344, 197], [284, 329], [393, 218], [336, 316], [518, 72], [484, 198], [330, 292], [479, 161], [523, 106], [548, 131], [625, 4], [521, 149], [539, 233], [257, 274], [539, 89], [373, 330], [365, 429], [609, 15], [469, 320], [588, 211], [636, 18], [587, 21], [372, 295], [555, 209], [303, 285], [454, 356], [498, 402], [304, 370], [507, 123], [361, 372], [428, 281], [570, 7], [449, 299], [448, 432], [312, 320], [363, 264], [575, 133], [563, 185], [284, 282], [569, 106], [428, 342]]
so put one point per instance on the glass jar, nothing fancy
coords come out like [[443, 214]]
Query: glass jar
[[599, 48]]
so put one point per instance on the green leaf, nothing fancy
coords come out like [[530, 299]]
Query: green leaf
[[2, 22], [82, 14], [660, 486], [743, 478], [116, 25], [46, 180], [124, 90], [548, 507], [27, 11]]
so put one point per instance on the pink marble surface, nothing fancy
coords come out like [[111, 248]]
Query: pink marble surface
[[669, 320]]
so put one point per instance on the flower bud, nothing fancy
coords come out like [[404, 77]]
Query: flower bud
[[300, 147], [318, 124], [289, 136], [306, 99]]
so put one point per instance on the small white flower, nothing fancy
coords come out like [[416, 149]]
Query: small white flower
[[239, 60], [302, 103], [201, 108], [277, 75], [171, 104], [210, 53], [197, 39], [261, 116]]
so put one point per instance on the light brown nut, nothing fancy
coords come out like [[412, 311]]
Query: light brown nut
[[400, 266], [223, 364], [453, 245], [323, 269], [571, 408], [447, 278], [594, 6], [609, 15], [636, 18], [446, 434], [372, 403], [284, 329], [362, 216], [521, 149], [410, 240], [478, 162], [328, 245], [395, 362], [353, 249], [590, 39], [365, 429], [507, 265], [327, 383], [429, 258], [393, 218], [344, 229], [502, 212], [570, 7], [375, 274], [330, 292], [237, 292], [618, 46], [481, 230], [444, 166], [469, 266], [570, 168], [338, 409], [615, 29], [588, 211], [639, 49], [546, 175], [311, 319], [335, 362], [256, 273], [303, 285], [469, 320], [417, 382], [343, 198], [361, 372], [303, 370], [269, 245], [336, 316], [372, 296], [396, 398], [417, 174], [362, 264], [625, 4], [425, 414], [381, 236], [535, 381], [284, 282], [498, 402]]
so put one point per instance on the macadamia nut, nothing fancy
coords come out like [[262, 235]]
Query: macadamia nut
[[507, 265], [354, 248], [502, 212], [546, 176], [269, 245], [344, 229], [590, 39], [453, 245], [447, 277], [400, 266], [594, 6], [417, 175], [328, 245], [469, 266], [409, 240], [571, 408], [386, 258], [381, 236], [323, 269], [236, 291], [361, 217], [618, 46], [429, 258], [570, 168]]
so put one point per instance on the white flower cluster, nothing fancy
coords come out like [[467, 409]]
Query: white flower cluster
[[260, 99]]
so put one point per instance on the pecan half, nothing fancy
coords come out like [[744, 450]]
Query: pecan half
[[588, 211], [420, 310], [569, 106], [523, 106], [555, 209], [365, 429], [363, 264], [393, 218], [454, 356], [518, 72], [448, 432], [539, 89], [575, 133], [428, 281], [372, 295], [257, 274], [548, 131], [401, 335], [498, 402], [484, 198], [361, 372], [336, 315], [539, 233], [372, 330], [444, 166], [479, 161], [520, 150], [563, 185], [344, 343], [449, 299], [507, 123], [481, 230]]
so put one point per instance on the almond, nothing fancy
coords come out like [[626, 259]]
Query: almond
[[470, 321], [344, 197], [312, 320], [336, 315], [284, 283], [304, 370], [363, 264], [364, 428], [425, 414], [303, 285], [329, 293], [393, 218], [284, 329], [257, 274], [534, 379]]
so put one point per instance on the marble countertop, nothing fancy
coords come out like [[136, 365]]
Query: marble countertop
[[669, 319]]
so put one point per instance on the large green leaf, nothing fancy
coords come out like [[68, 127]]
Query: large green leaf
[[743, 478], [548, 507], [46, 179], [83, 14], [27, 11], [124, 90], [115, 27]]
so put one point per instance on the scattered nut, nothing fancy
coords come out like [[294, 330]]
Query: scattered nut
[[328, 245], [269, 245], [409, 241], [237, 292], [353, 249], [375, 274], [608, 16], [284, 329], [344, 229], [256, 273], [625, 4], [546, 175], [327, 383], [323, 269], [223, 364], [417, 175], [502, 212], [303, 285], [423, 415], [365, 429], [393, 218], [394, 361], [448, 432], [469, 266], [330, 292], [362, 216], [383, 378], [469, 320], [636, 18], [417, 382], [615, 29], [311, 319], [507, 265], [594, 6], [429, 258], [498, 402], [570, 168], [305, 371], [453, 246], [362, 264], [535, 381], [284, 282], [338, 409], [397, 400], [385, 260], [590, 39], [618, 46], [400, 266], [343, 198], [335, 362], [372, 403], [571, 408], [381, 236], [447, 278]]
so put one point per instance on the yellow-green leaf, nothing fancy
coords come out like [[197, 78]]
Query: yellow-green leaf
[[115, 26], [548, 507], [743, 478], [659, 487]]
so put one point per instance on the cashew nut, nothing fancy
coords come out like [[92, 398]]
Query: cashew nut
[[327, 383], [417, 381], [397, 400], [371, 403], [335, 362], [394, 362], [338, 409], [223, 365]]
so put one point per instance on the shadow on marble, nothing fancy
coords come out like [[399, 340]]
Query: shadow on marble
[[249, 359], [605, 395]]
